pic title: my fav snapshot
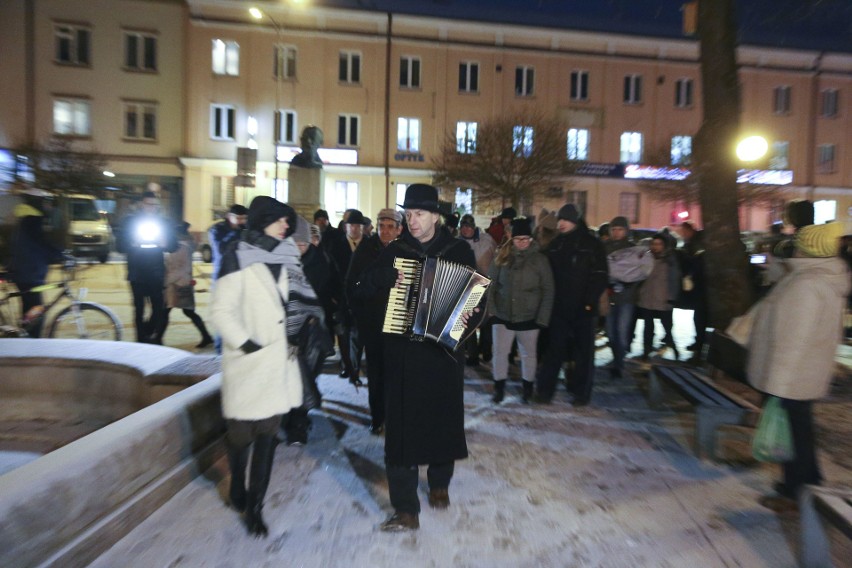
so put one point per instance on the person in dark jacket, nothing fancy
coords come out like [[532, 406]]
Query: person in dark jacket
[[693, 294], [144, 238], [580, 275], [657, 295], [424, 381], [368, 311], [32, 253], [225, 231]]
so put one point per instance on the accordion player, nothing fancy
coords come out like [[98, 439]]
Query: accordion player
[[431, 300]]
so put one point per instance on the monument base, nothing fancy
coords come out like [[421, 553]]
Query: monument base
[[305, 190]]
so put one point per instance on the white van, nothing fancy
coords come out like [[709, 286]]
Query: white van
[[88, 229]]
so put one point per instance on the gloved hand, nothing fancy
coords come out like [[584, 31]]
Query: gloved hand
[[249, 347], [384, 277]]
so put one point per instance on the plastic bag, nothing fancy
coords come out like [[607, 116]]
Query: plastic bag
[[773, 440]]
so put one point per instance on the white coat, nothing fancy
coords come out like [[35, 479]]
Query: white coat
[[247, 304], [796, 329]]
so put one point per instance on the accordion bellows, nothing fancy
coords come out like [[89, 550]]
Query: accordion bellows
[[431, 300]]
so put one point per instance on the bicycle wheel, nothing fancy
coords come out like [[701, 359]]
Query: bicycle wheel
[[86, 320]]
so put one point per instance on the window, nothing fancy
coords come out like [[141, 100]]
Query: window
[[140, 51], [466, 137], [524, 80], [286, 127], [829, 103], [347, 130], [579, 199], [71, 117], [781, 99], [578, 144], [825, 158], [350, 67], [579, 85], [140, 120], [522, 140], [284, 62], [628, 206], [408, 134], [779, 158], [632, 89], [409, 72], [345, 197], [400, 194], [226, 57], [683, 93], [468, 77], [222, 121], [72, 44], [281, 190], [681, 150], [222, 193], [631, 147], [464, 201]]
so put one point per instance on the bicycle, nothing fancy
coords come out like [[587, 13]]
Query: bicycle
[[79, 320]]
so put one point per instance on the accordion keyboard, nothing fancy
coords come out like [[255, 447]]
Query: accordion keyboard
[[401, 311]]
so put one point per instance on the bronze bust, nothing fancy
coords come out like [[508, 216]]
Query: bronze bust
[[311, 140]]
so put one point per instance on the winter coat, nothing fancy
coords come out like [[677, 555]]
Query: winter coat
[[248, 304], [691, 258], [797, 328], [483, 249], [621, 292], [423, 381], [368, 310], [580, 272], [522, 289], [31, 251], [661, 289], [145, 264], [219, 235], [179, 287]]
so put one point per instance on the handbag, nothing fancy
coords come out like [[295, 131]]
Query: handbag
[[773, 439]]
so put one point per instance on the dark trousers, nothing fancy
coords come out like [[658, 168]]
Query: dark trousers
[[193, 317], [648, 316], [699, 318], [374, 348], [402, 484], [350, 351], [30, 300], [569, 339], [478, 345], [147, 330], [803, 469]]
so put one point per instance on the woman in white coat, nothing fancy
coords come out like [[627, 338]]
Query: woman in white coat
[[792, 345], [260, 373]]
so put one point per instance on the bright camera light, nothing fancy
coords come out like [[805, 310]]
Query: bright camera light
[[147, 233]]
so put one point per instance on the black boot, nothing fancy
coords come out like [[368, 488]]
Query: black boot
[[261, 469], [237, 461], [499, 391], [528, 391]]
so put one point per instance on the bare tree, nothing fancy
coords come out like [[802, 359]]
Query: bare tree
[[512, 159], [57, 165]]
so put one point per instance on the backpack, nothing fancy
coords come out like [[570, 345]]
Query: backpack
[[632, 264]]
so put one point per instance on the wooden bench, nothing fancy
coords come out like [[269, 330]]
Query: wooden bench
[[714, 406], [821, 508]]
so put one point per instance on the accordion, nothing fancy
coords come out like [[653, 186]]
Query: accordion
[[431, 300]]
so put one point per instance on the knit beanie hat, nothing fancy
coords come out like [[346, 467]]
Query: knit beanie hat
[[468, 221], [569, 212], [620, 222], [820, 241], [521, 227], [302, 234], [509, 213], [265, 210]]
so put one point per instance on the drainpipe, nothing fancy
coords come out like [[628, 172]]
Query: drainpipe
[[810, 155], [387, 108]]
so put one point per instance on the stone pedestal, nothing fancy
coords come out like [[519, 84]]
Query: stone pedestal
[[305, 190]]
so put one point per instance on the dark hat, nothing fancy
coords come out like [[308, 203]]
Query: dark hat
[[620, 222], [367, 221], [521, 227], [603, 230], [421, 196], [799, 213], [321, 213], [264, 211], [452, 220], [569, 212], [356, 218], [238, 209], [508, 213], [468, 221]]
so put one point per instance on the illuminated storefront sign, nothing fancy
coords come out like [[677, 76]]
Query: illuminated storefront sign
[[759, 177], [330, 156]]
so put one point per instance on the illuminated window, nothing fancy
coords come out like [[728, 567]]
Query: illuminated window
[[522, 140], [71, 117], [681, 150], [578, 144], [226, 57], [408, 134], [466, 137], [631, 147]]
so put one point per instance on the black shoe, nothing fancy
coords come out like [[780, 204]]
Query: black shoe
[[299, 438], [254, 521], [578, 402], [344, 374], [527, 392], [486, 356], [499, 391], [377, 430], [439, 498], [542, 399], [781, 489], [205, 341], [237, 462], [691, 347], [400, 522], [615, 372]]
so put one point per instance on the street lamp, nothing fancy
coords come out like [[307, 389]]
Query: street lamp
[[752, 148], [258, 14]]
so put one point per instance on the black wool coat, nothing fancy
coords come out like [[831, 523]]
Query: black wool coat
[[424, 382], [368, 308]]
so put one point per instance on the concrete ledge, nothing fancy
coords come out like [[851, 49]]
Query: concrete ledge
[[70, 505]]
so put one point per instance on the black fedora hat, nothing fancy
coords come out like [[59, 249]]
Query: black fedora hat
[[421, 196]]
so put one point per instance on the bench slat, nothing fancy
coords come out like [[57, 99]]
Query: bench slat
[[693, 388], [837, 509]]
